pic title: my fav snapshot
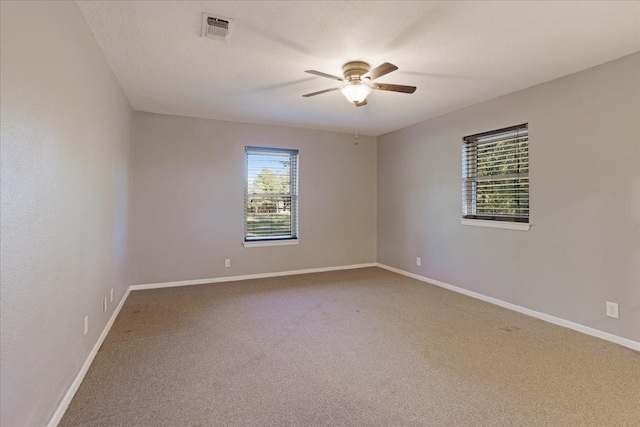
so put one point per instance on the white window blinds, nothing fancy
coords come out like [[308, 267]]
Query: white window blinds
[[271, 194], [495, 175]]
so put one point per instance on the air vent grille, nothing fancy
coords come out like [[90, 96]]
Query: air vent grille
[[216, 28]]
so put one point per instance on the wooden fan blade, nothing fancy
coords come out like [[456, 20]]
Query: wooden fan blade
[[320, 92], [321, 74], [380, 71], [393, 88], [361, 104]]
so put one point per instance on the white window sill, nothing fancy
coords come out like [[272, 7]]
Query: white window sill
[[520, 226], [263, 243]]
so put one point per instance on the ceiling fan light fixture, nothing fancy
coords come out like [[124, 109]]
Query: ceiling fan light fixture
[[356, 92], [357, 81]]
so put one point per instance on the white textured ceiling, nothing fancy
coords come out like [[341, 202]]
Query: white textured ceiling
[[456, 53]]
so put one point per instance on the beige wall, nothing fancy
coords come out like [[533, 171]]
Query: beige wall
[[66, 134], [584, 246], [188, 197]]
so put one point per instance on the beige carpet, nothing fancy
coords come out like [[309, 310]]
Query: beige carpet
[[349, 348]]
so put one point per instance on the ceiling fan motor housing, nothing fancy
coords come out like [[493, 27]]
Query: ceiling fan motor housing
[[354, 70]]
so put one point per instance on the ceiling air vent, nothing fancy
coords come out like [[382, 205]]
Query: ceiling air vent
[[216, 28]]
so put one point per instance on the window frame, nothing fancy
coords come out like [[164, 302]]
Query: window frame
[[266, 240], [470, 179]]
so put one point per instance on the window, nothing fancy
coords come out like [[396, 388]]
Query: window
[[271, 194], [495, 175]]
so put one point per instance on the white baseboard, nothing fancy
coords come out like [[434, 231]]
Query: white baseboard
[[634, 345], [66, 400], [247, 277]]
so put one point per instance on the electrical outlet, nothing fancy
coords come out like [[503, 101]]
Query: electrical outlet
[[227, 262], [104, 305], [612, 310], [86, 324], [418, 261], [111, 294]]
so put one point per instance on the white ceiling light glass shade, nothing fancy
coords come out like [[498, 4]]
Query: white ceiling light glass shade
[[356, 92]]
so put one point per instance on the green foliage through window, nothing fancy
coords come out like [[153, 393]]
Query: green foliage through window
[[495, 172], [270, 194]]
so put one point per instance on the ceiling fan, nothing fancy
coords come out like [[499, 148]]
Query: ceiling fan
[[358, 78]]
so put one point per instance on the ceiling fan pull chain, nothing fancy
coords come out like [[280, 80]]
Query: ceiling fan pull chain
[[355, 120]]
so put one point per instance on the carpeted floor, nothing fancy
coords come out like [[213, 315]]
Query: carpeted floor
[[360, 347]]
